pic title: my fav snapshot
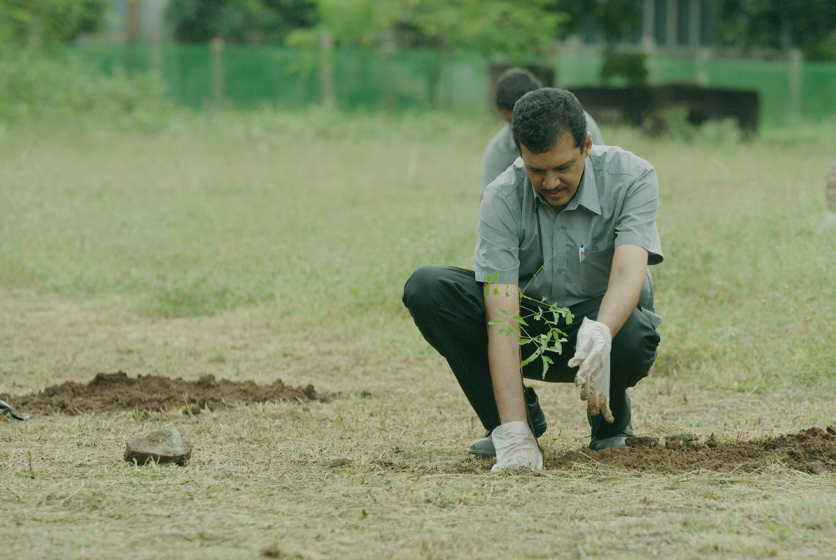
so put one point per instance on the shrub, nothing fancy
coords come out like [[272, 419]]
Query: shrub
[[61, 84]]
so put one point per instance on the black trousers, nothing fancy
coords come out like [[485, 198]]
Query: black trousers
[[448, 307]]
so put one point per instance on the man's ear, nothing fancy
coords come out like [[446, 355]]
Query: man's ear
[[587, 145]]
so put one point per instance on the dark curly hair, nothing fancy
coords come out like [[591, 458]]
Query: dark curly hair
[[513, 84], [543, 116]]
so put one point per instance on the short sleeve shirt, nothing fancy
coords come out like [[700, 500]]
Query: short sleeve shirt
[[502, 152], [523, 241]]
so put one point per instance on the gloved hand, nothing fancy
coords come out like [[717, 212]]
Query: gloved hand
[[592, 354], [516, 447]]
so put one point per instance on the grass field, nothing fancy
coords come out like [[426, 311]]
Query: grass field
[[269, 245]]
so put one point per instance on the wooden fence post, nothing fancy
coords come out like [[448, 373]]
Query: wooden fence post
[[796, 64], [388, 48], [218, 77], [326, 69]]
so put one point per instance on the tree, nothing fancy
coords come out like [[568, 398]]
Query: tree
[[49, 21], [239, 21], [492, 27], [779, 24], [486, 26], [505, 27], [617, 20]]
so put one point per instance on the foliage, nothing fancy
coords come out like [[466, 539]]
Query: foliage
[[33, 84], [49, 21], [349, 22], [487, 27], [779, 24], [630, 66], [239, 21], [616, 19]]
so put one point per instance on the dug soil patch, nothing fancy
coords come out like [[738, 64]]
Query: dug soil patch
[[116, 392], [812, 451]]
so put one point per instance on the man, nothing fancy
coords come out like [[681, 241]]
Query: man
[[501, 151], [570, 224]]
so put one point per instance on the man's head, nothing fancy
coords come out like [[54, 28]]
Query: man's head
[[549, 128], [510, 86], [543, 116]]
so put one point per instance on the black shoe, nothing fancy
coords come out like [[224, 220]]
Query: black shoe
[[538, 419], [612, 442], [484, 449]]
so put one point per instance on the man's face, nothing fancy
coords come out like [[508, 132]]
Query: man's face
[[556, 174]]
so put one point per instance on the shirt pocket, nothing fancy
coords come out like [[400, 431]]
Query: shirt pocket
[[595, 271]]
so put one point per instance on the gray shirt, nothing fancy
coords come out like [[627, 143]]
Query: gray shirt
[[523, 241], [502, 152]]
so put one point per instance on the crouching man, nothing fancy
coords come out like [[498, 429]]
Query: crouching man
[[568, 224]]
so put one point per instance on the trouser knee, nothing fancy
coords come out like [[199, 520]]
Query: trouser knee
[[418, 290], [634, 348]]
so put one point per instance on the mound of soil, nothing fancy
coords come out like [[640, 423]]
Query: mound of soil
[[116, 392], [813, 451]]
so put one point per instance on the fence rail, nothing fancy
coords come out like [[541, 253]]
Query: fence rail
[[248, 76]]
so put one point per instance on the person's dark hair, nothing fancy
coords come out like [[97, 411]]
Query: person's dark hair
[[543, 116], [513, 84]]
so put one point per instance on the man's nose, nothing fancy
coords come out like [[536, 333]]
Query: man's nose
[[551, 181]]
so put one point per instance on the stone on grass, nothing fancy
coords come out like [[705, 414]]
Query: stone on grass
[[162, 446]]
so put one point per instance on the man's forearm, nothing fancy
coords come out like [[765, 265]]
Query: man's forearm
[[504, 351], [626, 280]]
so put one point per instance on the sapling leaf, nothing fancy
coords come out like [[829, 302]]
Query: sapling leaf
[[546, 362], [557, 348], [531, 358]]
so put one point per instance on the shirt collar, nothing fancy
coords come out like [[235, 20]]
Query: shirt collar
[[587, 193]]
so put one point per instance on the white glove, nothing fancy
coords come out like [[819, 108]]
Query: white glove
[[516, 447], [592, 353]]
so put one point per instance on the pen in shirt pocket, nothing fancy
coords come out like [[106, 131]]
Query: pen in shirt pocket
[[580, 254]]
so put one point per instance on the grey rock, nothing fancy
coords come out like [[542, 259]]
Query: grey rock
[[162, 446]]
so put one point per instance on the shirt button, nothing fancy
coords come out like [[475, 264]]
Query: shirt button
[[560, 271]]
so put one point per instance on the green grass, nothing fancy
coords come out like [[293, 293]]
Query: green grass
[[319, 218]]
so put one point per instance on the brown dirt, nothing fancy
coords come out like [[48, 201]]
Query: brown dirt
[[116, 392], [812, 450]]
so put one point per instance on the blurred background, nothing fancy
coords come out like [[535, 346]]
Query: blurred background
[[410, 55]]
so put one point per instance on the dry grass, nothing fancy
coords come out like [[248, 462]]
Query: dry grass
[[380, 474]]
